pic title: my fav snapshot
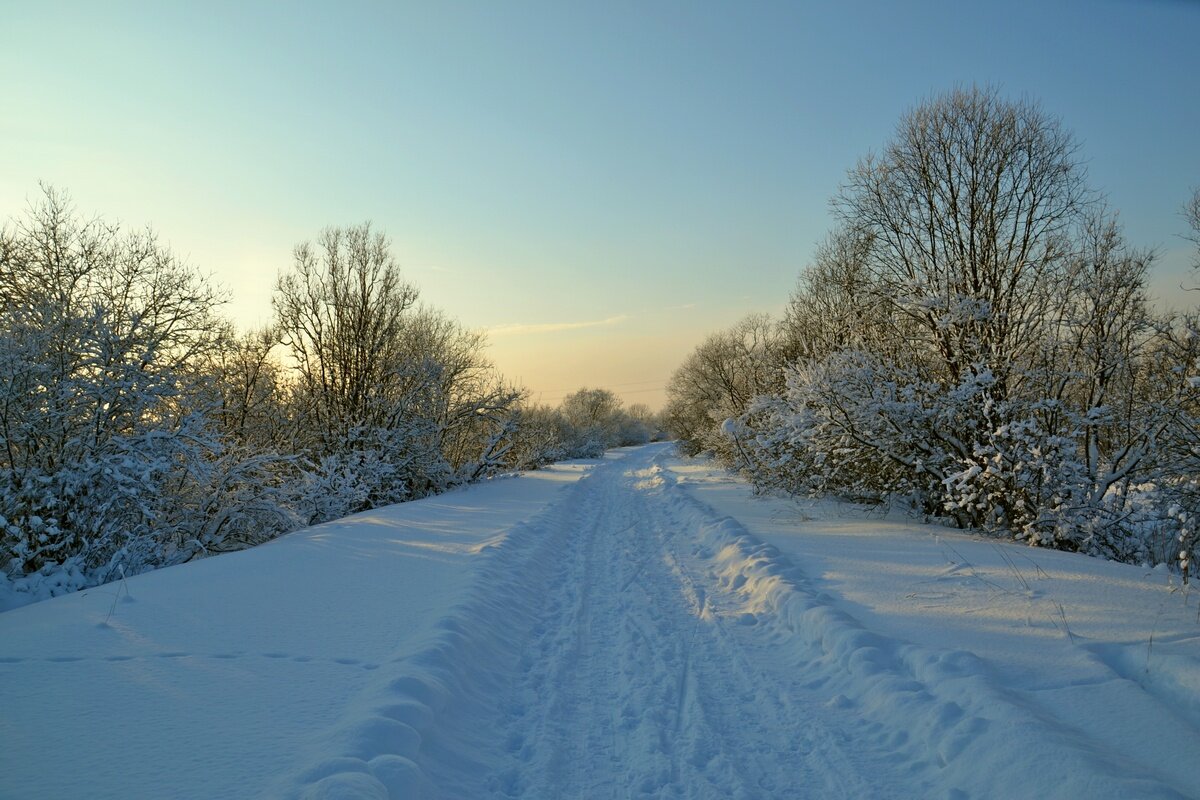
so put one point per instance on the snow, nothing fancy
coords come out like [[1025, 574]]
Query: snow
[[635, 626]]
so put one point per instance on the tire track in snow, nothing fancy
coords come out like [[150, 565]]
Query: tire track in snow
[[640, 691], [631, 642], [930, 718], [789, 746], [426, 725]]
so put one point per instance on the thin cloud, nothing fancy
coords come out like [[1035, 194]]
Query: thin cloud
[[521, 328], [663, 309]]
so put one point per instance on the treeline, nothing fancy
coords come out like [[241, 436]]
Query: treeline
[[974, 339], [139, 429]]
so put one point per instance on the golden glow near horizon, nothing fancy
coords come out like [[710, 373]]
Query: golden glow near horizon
[[566, 195]]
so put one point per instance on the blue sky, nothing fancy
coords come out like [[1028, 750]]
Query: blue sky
[[600, 184]]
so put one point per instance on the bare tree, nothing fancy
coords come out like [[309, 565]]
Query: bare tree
[[642, 414], [457, 387], [976, 337], [720, 378], [836, 303], [1191, 213], [341, 313], [971, 207], [251, 390], [594, 411]]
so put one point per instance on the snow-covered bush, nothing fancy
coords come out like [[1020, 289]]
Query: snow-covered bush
[[855, 425], [138, 429], [719, 380], [974, 338], [584, 425], [102, 336], [110, 455], [391, 402]]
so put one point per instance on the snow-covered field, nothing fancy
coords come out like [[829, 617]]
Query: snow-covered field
[[637, 626]]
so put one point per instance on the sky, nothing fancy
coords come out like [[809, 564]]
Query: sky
[[597, 185]]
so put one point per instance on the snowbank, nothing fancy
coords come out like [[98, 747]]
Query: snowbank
[[229, 676]]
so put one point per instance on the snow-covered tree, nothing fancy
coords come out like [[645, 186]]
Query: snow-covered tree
[[341, 312], [251, 391], [139, 429], [584, 425], [103, 348], [392, 402], [720, 378], [970, 209], [974, 337], [470, 404]]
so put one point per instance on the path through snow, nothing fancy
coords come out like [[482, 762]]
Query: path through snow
[[638, 626], [634, 642], [639, 676]]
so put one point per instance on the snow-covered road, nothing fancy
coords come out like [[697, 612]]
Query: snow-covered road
[[638, 626], [639, 675]]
